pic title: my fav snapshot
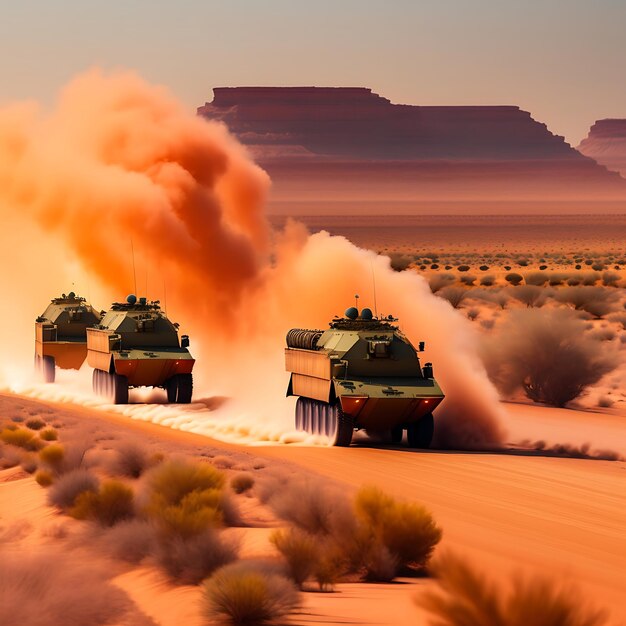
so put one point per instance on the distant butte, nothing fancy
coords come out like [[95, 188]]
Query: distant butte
[[347, 149], [606, 143]]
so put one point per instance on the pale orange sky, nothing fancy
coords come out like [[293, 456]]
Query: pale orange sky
[[562, 60]]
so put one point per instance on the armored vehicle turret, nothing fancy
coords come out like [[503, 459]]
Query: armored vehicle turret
[[136, 345], [361, 373], [61, 335]]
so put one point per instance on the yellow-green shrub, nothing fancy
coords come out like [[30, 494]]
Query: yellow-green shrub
[[53, 456], [242, 482], [407, 530], [299, 549], [112, 503], [21, 438], [48, 434], [44, 478]]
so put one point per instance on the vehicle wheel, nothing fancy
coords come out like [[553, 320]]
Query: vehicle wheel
[[299, 414], [119, 386], [185, 388], [420, 434], [340, 427], [397, 434], [48, 369], [171, 386]]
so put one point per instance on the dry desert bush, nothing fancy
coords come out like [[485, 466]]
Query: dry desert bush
[[34, 423], [48, 434], [131, 540], [242, 482], [594, 300], [454, 295], [530, 295], [67, 488], [547, 354], [21, 438], [130, 460], [191, 559], [440, 280], [466, 598], [299, 549], [244, 594], [110, 504], [51, 588]]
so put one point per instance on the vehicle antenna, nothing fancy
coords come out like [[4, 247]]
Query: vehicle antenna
[[374, 283], [356, 300], [132, 251]]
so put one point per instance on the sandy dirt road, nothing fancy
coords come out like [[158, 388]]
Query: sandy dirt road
[[562, 517]]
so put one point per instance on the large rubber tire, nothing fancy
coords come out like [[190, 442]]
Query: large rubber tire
[[185, 388], [397, 434], [420, 434], [119, 386], [48, 369], [322, 418], [171, 387]]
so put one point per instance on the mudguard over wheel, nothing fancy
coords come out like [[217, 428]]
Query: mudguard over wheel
[[322, 418], [420, 434]]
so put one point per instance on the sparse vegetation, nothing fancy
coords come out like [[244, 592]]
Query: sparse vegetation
[[44, 478], [48, 434], [242, 482], [21, 438], [131, 460], [67, 488], [243, 594], [112, 503], [547, 354], [34, 423], [466, 597], [299, 549]]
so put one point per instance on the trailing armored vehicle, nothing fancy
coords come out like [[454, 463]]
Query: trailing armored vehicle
[[361, 373], [61, 335], [136, 345]]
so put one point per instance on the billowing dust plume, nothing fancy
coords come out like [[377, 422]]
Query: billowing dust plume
[[119, 165]]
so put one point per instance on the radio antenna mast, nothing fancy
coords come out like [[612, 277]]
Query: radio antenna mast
[[374, 284], [132, 251]]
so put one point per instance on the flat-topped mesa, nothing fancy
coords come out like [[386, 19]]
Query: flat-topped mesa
[[355, 123], [606, 144]]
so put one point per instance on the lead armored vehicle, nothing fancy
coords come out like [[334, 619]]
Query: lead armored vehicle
[[136, 345], [61, 335], [361, 373]]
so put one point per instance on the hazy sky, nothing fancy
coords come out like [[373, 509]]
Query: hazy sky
[[562, 60]]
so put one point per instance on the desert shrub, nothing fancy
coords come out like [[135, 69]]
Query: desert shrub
[[547, 354], [473, 314], [513, 278], [408, 531], [543, 267], [191, 559], [488, 281], [299, 549], [590, 278], [530, 295], [399, 262], [507, 268], [185, 498], [242, 482], [44, 478], [466, 597], [21, 438], [34, 423], [598, 267], [610, 279], [69, 486], [131, 460], [439, 281], [483, 268], [52, 456], [312, 505], [594, 300], [130, 540], [605, 402], [539, 279], [48, 434], [112, 503], [463, 268], [454, 295], [467, 279], [51, 588], [223, 462], [242, 595]]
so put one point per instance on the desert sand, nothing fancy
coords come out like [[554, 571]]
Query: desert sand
[[517, 509]]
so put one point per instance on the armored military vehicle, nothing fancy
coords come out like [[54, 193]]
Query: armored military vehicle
[[361, 373], [136, 345], [61, 335]]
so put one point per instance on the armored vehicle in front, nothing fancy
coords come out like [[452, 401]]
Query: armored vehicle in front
[[361, 373], [136, 345], [61, 335]]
